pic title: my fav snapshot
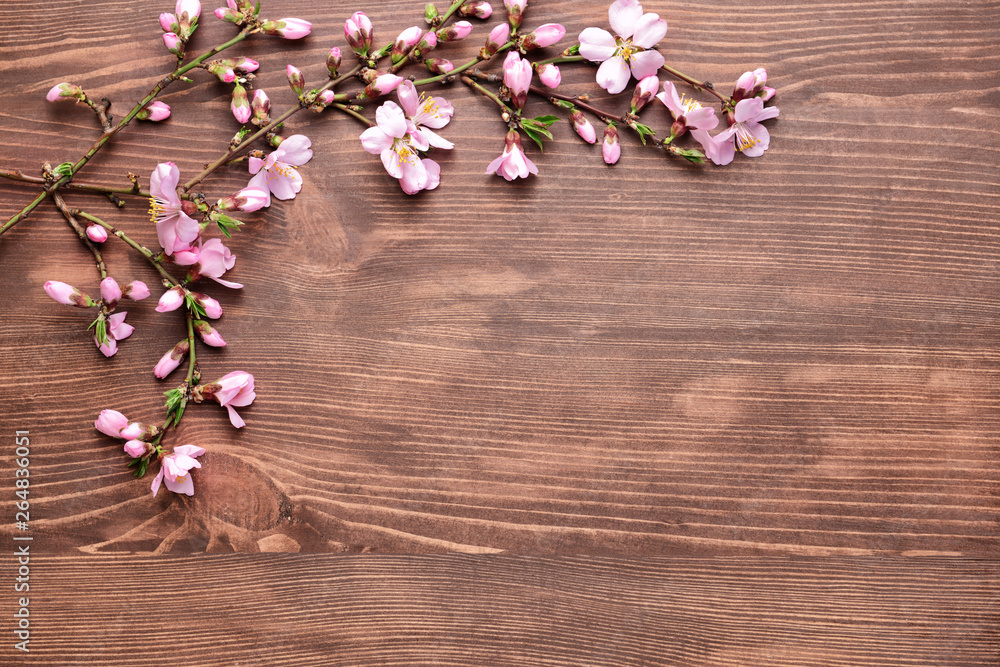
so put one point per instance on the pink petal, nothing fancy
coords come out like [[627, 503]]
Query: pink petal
[[284, 187], [255, 164], [390, 160], [227, 283], [762, 136], [748, 109], [414, 176], [234, 418], [190, 450], [409, 98], [649, 31], [596, 45], [296, 150], [391, 120], [163, 183], [186, 486], [645, 63], [374, 140], [703, 119], [259, 182], [436, 140], [109, 348], [492, 168], [433, 174], [156, 482], [623, 15], [613, 75]]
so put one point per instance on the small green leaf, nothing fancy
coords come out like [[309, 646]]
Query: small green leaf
[[256, 12], [691, 155], [547, 121], [534, 137], [573, 50], [194, 306], [65, 169]]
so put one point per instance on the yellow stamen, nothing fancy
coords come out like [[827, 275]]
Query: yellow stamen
[[744, 139], [156, 209]]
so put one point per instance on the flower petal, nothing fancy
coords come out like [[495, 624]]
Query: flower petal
[[649, 30], [155, 486], [391, 120], [163, 183], [623, 16], [436, 140], [390, 160], [613, 75], [645, 63], [763, 137], [748, 109], [433, 174], [255, 164], [409, 98], [374, 140], [596, 44], [234, 418], [284, 185], [296, 150], [259, 182]]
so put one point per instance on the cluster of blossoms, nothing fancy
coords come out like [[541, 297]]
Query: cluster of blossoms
[[402, 134]]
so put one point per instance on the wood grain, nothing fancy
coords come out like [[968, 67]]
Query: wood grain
[[791, 356]]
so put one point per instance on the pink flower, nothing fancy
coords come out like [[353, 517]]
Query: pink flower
[[172, 359], [174, 229], [512, 163], [116, 330], [172, 299], [687, 113], [173, 43], [111, 422], [287, 28], [154, 111], [424, 112], [497, 38], [746, 133], [136, 290], [233, 389], [517, 78], [277, 174], [136, 448], [389, 139], [358, 32], [582, 126], [753, 84], [626, 56], [240, 105], [208, 334], [611, 150], [544, 35], [174, 470], [64, 91], [67, 294], [97, 234], [110, 291], [214, 259], [549, 75]]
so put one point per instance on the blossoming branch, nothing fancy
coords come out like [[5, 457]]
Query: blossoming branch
[[402, 131]]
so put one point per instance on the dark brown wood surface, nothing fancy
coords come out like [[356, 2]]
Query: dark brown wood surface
[[713, 416]]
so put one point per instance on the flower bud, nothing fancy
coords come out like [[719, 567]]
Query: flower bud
[[261, 107], [455, 32], [110, 291], [498, 37], [227, 14], [406, 41], [208, 335], [247, 199], [439, 65], [169, 22], [213, 310], [155, 111], [111, 422], [244, 64], [171, 360], [611, 149], [138, 431], [544, 35], [136, 290], [644, 93], [478, 8], [382, 85], [240, 105], [173, 43], [326, 98], [65, 91], [333, 61], [223, 70], [582, 126], [517, 78], [97, 234], [287, 28], [295, 79], [549, 75], [358, 32], [430, 13], [752, 84], [515, 12], [172, 299], [187, 256], [136, 448], [187, 13], [67, 294], [427, 43]]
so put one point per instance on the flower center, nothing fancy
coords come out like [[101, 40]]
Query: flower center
[[406, 154], [157, 209], [626, 49], [282, 169], [689, 105], [744, 139]]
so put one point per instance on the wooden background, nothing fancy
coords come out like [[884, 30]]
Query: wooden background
[[668, 415]]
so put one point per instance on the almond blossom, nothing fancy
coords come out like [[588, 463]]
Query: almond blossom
[[687, 113], [512, 163], [391, 140], [175, 470], [746, 133], [232, 389], [116, 330], [277, 174], [626, 55], [174, 228], [424, 112]]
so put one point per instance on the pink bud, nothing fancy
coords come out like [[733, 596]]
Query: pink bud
[[428, 42], [644, 93], [67, 294], [209, 335], [251, 199], [136, 290], [611, 149], [295, 79], [382, 85], [212, 308], [64, 91], [498, 37], [550, 75], [171, 360], [110, 291], [582, 126], [227, 14], [515, 11], [244, 64], [135, 431], [326, 97], [517, 78], [240, 105], [453, 33], [478, 8], [97, 234], [358, 32], [439, 65], [111, 422], [191, 7], [333, 61], [186, 256], [172, 299], [173, 43], [261, 107], [545, 35], [169, 22], [135, 448], [155, 111], [287, 28]]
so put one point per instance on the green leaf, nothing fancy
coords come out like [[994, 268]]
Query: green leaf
[[535, 137], [101, 331], [174, 397], [644, 131], [573, 50], [547, 121], [193, 305], [65, 169], [691, 155], [256, 12]]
